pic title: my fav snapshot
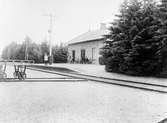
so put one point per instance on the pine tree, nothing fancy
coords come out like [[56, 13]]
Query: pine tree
[[133, 45], [162, 16]]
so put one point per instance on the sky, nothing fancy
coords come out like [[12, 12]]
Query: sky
[[21, 18]]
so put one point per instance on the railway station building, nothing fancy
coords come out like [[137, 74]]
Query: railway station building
[[85, 48]]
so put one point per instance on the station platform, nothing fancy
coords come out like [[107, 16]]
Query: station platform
[[99, 71]]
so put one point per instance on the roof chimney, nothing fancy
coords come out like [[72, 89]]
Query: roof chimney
[[103, 26]]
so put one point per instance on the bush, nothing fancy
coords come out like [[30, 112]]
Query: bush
[[101, 60], [137, 44]]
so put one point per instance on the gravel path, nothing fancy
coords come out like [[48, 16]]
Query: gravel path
[[78, 102]]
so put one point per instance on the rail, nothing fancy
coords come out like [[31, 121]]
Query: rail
[[132, 84], [16, 62]]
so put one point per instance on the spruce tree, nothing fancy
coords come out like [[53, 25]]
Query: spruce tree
[[134, 43], [162, 16]]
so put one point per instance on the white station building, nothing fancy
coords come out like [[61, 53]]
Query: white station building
[[86, 47]]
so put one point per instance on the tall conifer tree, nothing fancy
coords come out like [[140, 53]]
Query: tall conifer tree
[[135, 40]]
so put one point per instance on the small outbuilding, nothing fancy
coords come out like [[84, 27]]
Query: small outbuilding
[[85, 48]]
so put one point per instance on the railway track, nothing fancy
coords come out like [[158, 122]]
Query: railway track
[[82, 77], [42, 80]]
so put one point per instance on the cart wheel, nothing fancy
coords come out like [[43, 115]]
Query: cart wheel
[[20, 77], [15, 75], [1, 76], [4, 75], [25, 76]]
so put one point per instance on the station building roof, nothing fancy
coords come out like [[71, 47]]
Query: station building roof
[[90, 35]]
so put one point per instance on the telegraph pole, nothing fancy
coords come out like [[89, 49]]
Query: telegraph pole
[[27, 41], [50, 37], [25, 51]]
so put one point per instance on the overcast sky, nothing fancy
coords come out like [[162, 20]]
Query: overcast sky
[[19, 18]]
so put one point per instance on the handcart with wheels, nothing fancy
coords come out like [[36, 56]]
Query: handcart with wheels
[[19, 68], [20, 72]]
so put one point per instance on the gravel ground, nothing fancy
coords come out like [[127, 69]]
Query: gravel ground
[[78, 102]]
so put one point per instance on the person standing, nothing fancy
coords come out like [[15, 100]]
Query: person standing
[[45, 58]]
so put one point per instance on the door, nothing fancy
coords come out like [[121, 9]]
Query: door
[[73, 55], [83, 55]]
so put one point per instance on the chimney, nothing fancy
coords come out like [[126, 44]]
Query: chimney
[[103, 26]]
